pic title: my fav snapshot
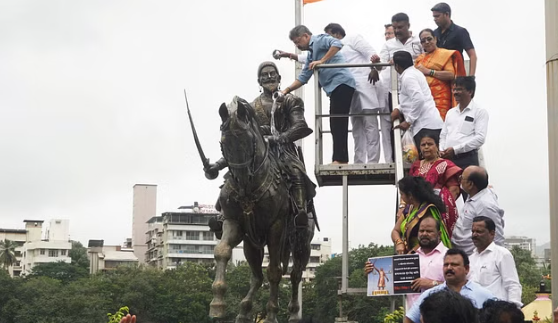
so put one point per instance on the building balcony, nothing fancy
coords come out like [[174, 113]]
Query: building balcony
[[184, 241], [189, 254]]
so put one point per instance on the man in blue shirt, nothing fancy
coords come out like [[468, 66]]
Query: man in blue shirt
[[456, 268], [338, 83]]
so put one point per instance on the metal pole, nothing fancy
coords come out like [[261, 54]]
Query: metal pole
[[298, 67], [300, 93], [551, 13], [345, 259], [398, 149], [319, 157]]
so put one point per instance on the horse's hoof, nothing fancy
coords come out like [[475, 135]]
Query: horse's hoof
[[217, 309]]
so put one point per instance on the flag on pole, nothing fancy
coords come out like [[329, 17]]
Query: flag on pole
[[309, 1]]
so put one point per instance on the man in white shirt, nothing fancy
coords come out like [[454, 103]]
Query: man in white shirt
[[384, 100], [481, 201], [402, 39], [464, 131], [493, 266], [365, 99], [416, 105]]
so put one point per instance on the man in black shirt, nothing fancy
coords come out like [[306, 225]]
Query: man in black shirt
[[452, 36]]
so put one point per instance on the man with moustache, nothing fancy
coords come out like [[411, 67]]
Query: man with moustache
[[456, 268], [465, 128], [291, 126], [431, 257], [493, 266]]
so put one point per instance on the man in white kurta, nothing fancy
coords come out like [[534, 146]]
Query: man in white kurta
[[365, 129]]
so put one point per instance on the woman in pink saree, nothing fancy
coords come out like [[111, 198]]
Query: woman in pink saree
[[443, 174]]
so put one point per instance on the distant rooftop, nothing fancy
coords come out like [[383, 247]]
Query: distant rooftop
[[155, 219], [40, 221], [13, 230], [145, 185]]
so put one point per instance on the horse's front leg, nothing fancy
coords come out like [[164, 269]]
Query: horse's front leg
[[232, 236], [274, 271]]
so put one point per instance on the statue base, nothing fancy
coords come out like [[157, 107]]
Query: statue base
[[380, 292]]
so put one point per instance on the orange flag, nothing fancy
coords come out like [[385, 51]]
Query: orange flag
[[309, 1]]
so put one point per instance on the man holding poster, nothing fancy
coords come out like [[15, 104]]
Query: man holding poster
[[431, 259]]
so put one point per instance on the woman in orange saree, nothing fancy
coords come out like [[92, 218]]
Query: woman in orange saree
[[440, 66]]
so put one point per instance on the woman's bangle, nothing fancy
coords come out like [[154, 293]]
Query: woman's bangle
[[399, 241], [288, 89]]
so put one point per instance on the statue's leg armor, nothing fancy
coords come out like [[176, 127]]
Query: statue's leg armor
[[216, 224], [298, 193]]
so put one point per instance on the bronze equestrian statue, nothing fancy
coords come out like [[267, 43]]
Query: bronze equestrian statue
[[292, 127], [267, 198]]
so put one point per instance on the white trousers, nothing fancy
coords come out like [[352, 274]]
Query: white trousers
[[366, 132]]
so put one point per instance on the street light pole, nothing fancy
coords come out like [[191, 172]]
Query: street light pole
[[551, 14]]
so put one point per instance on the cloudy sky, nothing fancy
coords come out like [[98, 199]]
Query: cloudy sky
[[92, 103]]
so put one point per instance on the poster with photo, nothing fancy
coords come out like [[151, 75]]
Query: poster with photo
[[393, 275]]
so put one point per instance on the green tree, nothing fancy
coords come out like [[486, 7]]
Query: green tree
[[7, 253], [529, 274], [60, 270], [356, 307], [78, 254]]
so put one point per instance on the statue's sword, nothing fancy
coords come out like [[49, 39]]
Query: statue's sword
[[205, 161]]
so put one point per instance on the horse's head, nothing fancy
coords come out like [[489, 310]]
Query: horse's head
[[241, 139]]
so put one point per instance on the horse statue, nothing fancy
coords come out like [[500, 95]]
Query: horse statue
[[256, 209]]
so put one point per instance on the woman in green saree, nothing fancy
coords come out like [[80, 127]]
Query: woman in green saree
[[419, 200]]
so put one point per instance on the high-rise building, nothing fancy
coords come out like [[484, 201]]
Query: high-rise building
[[18, 236], [145, 207], [183, 235]]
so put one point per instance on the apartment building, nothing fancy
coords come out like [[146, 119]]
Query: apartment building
[[104, 258], [54, 247], [524, 243], [18, 236], [183, 235]]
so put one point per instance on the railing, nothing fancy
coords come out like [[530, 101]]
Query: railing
[[345, 170], [397, 156]]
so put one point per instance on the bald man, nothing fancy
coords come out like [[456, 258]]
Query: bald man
[[481, 202]]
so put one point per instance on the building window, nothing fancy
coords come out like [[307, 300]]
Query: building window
[[315, 259], [42, 252], [53, 253], [315, 247], [63, 252], [208, 236], [192, 235]]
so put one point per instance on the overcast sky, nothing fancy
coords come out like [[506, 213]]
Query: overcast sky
[[92, 103]]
